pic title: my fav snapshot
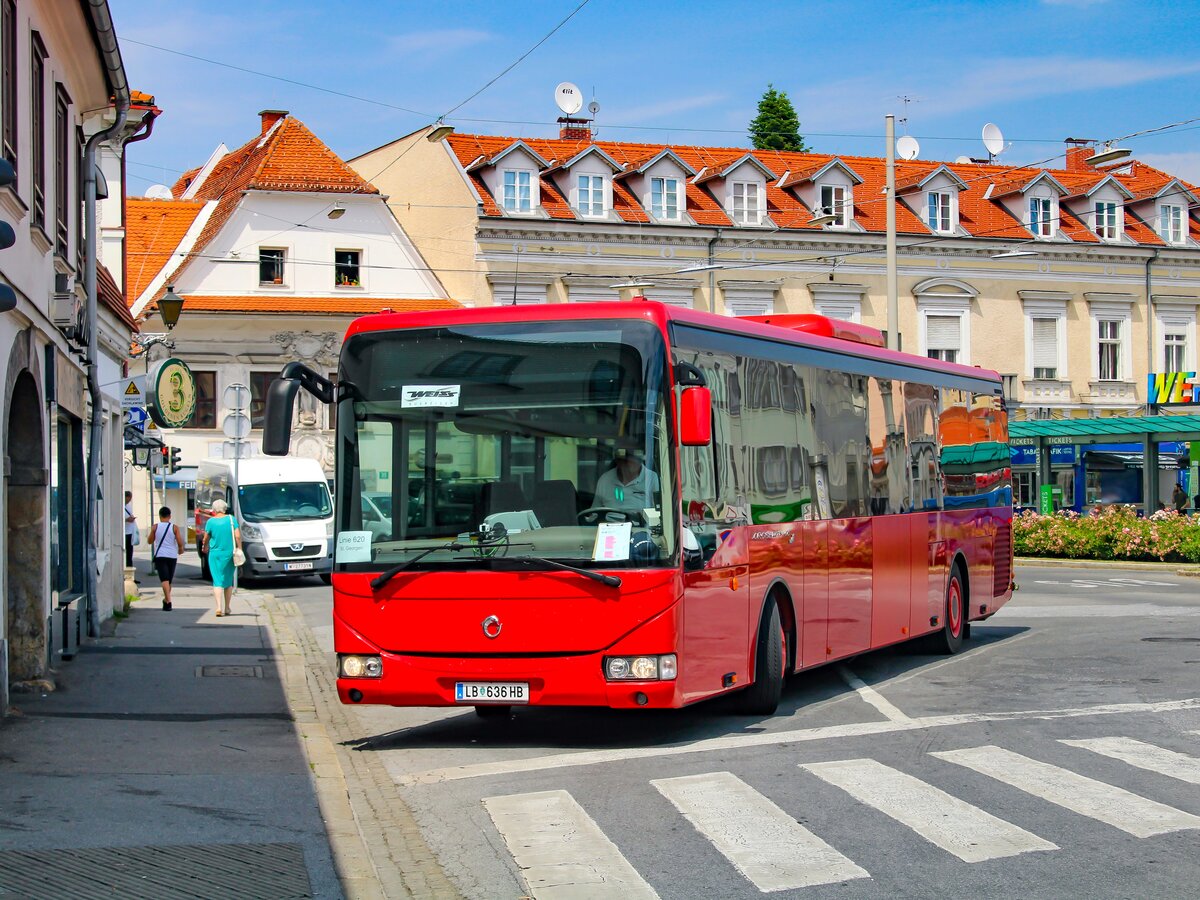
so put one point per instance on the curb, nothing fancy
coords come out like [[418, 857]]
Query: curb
[[376, 843], [1189, 571]]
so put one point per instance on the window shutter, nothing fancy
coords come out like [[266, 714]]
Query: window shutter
[[1045, 343], [943, 333]]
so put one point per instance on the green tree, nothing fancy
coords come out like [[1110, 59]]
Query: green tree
[[776, 127]]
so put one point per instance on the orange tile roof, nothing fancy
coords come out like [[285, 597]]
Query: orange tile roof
[[109, 293], [153, 230], [979, 216], [328, 306]]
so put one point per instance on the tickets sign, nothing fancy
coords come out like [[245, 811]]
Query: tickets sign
[[1173, 388]]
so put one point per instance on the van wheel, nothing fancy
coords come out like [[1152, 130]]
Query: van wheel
[[954, 626], [205, 572], [325, 577], [762, 697]]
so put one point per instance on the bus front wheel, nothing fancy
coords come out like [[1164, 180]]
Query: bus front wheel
[[954, 620], [762, 697]]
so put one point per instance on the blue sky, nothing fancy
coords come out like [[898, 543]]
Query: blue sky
[[678, 72]]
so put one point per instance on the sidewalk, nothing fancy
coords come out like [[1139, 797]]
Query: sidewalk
[[166, 764]]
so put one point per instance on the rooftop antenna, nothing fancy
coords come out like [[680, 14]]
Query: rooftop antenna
[[993, 141], [159, 192], [569, 100], [905, 99], [907, 147]]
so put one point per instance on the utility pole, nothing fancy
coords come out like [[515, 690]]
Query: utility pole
[[893, 313]]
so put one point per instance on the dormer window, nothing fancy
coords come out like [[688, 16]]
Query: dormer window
[[591, 195], [835, 201], [1171, 224], [518, 191], [1106, 221], [747, 209], [664, 198], [941, 216], [1041, 216]]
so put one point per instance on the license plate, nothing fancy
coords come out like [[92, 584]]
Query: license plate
[[298, 567], [491, 692]]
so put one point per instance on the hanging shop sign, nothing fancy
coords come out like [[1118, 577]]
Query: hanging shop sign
[[1173, 388], [170, 393]]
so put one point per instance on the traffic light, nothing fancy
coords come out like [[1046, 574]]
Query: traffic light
[[164, 459], [8, 237], [173, 460]]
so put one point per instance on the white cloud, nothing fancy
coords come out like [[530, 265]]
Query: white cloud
[[437, 42], [1182, 165]]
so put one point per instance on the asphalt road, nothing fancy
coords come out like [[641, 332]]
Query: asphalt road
[[1059, 756]]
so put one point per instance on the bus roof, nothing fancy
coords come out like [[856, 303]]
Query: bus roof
[[662, 314]]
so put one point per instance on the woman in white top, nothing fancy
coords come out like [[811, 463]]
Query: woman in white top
[[166, 543]]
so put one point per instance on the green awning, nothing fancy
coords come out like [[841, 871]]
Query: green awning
[[1111, 430]]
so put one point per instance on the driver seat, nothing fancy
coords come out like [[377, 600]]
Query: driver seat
[[555, 502]]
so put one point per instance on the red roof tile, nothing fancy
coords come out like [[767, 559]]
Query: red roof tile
[[153, 230], [109, 293]]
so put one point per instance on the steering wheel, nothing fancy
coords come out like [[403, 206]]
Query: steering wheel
[[596, 514]]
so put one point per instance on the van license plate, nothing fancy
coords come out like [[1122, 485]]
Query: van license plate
[[298, 567], [491, 692]]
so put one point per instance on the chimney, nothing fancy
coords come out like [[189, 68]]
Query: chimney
[[1078, 150], [574, 129], [270, 117]]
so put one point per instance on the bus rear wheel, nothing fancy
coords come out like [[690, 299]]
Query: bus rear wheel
[[762, 697], [954, 620]]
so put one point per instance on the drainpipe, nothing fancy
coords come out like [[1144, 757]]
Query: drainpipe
[[712, 286], [110, 57]]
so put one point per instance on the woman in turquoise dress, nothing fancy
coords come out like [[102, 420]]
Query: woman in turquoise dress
[[221, 535]]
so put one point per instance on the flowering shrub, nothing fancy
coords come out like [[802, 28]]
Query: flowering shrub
[[1115, 533]]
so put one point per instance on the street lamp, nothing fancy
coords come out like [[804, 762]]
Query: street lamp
[[170, 305], [439, 130], [1108, 154]]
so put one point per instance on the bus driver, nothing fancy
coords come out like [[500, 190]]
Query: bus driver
[[628, 485]]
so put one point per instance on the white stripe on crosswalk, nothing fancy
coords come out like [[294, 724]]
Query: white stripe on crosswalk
[[945, 821], [1144, 756], [762, 841], [1086, 796], [560, 849]]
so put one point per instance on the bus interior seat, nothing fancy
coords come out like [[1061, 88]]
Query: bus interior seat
[[556, 503], [500, 496]]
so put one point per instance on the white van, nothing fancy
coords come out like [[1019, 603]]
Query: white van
[[283, 507]]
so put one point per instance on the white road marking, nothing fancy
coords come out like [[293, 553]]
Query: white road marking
[[1097, 611], [1144, 756], [873, 697], [560, 849], [1112, 805], [803, 735], [762, 841], [945, 821]]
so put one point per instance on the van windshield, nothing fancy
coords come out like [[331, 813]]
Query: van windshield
[[286, 501]]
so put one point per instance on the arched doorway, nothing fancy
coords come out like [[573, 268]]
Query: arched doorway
[[25, 623]]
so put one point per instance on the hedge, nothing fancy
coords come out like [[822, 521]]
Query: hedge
[[1116, 532]]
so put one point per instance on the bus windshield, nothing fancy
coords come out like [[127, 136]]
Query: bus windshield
[[287, 501], [538, 440]]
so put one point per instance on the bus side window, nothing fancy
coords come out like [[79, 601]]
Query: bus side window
[[889, 464]]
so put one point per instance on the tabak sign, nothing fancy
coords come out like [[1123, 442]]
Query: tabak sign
[[1173, 388]]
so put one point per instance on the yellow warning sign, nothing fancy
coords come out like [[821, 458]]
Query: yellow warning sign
[[131, 390]]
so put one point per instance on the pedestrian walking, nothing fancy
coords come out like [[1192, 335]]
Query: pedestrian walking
[[1179, 498], [166, 543], [131, 530], [222, 538]]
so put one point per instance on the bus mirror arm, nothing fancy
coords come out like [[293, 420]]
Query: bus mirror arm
[[281, 397]]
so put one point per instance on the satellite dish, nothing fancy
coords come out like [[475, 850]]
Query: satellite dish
[[907, 147], [963, 161], [159, 192], [593, 108], [568, 98], [993, 139]]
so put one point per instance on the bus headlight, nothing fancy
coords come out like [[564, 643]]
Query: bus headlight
[[360, 666], [640, 668]]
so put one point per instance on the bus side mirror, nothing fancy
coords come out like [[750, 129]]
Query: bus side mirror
[[695, 417], [277, 422]]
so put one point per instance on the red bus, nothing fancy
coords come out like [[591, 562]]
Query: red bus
[[634, 505]]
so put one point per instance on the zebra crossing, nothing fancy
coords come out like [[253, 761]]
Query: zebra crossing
[[563, 853]]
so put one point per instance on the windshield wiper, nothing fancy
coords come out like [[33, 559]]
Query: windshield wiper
[[380, 580], [610, 580]]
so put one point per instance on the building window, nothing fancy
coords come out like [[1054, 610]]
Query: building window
[[1044, 348], [1171, 224], [205, 415], [1106, 220], [1109, 350], [8, 77], [62, 170], [834, 202], [37, 127], [943, 337], [1041, 220], [939, 212], [591, 195], [260, 383], [664, 198], [270, 265], [345, 268], [517, 191], [1174, 351], [746, 208]]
